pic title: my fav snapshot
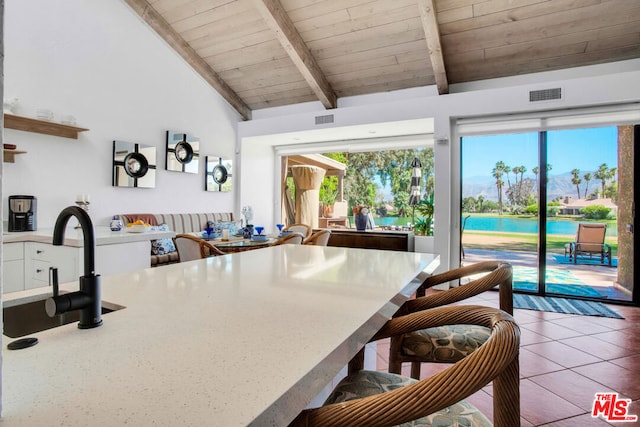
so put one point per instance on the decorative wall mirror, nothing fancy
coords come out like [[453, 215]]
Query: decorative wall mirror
[[134, 165], [219, 174], [183, 152]]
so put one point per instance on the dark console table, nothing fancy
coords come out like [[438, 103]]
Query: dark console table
[[373, 239]]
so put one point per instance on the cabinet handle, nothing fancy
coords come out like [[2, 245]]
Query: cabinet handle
[[39, 270], [38, 251]]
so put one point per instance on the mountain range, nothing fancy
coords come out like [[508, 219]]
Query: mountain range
[[558, 186]]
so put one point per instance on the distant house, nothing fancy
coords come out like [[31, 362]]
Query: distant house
[[572, 206]]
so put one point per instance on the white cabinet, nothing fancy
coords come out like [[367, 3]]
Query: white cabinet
[[26, 265], [13, 267], [39, 257]]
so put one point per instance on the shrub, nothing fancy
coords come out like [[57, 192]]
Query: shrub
[[595, 212]]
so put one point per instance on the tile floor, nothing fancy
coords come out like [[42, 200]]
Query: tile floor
[[564, 360]]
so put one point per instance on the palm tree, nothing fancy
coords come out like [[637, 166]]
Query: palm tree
[[506, 170], [576, 180], [480, 200], [612, 176], [497, 173], [587, 178], [602, 174], [521, 169]]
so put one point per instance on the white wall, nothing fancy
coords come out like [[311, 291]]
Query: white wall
[[97, 61], [582, 87]]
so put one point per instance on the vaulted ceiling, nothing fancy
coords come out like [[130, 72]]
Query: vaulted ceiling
[[266, 53]]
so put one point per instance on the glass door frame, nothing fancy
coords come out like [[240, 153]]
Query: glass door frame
[[542, 220]]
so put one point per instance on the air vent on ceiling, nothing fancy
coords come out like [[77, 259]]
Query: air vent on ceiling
[[321, 120], [545, 94]]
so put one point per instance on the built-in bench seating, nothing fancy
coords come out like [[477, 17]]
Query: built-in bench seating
[[178, 222]]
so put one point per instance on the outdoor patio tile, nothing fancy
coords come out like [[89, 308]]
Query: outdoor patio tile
[[532, 364], [525, 423], [540, 406], [483, 401], [430, 369], [631, 314], [551, 330], [571, 386], [585, 420], [529, 337], [634, 408], [594, 346], [562, 354], [631, 363], [625, 338], [583, 324], [609, 322], [614, 377], [524, 317]]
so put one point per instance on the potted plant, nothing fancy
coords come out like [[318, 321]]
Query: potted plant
[[422, 228], [328, 195], [423, 224]]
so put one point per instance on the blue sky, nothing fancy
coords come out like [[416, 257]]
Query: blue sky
[[584, 149]]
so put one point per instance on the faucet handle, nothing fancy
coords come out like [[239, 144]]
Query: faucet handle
[[53, 280]]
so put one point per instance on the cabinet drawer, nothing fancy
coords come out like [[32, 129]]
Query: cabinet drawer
[[12, 251], [40, 251], [40, 270]]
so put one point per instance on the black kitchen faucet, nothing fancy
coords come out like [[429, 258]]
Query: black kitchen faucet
[[87, 299]]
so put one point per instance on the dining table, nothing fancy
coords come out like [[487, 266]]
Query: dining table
[[248, 338], [241, 244]]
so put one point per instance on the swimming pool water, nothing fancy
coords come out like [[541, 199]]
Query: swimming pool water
[[507, 225], [526, 225]]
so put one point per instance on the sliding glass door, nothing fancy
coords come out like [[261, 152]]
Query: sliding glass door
[[557, 205]]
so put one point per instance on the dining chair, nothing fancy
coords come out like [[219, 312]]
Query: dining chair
[[191, 247], [318, 238], [293, 238], [367, 398], [450, 343], [303, 229]]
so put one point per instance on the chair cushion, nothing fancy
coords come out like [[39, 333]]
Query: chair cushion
[[170, 258], [368, 383], [446, 344], [162, 246]]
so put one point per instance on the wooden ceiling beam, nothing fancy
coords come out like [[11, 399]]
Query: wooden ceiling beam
[[432, 34], [278, 20], [175, 40]]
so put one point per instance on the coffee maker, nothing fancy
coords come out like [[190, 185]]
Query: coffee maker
[[22, 213]]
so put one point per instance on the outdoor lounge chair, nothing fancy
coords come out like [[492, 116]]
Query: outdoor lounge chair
[[589, 242]]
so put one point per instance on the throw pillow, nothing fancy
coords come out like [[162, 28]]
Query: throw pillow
[[162, 246], [232, 226]]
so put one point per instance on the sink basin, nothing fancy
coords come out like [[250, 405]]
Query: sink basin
[[28, 316]]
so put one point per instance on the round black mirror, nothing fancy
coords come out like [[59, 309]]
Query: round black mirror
[[136, 165], [184, 152], [220, 174]]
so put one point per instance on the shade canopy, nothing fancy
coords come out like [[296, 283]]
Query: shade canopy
[[307, 180]]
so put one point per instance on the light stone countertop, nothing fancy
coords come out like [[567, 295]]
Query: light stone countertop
[[243, 339], [74, 237]]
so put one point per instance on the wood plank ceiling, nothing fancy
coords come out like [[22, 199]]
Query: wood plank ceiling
[[266, 53]]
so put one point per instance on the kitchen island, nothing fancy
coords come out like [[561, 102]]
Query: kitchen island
[[243, 339]]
